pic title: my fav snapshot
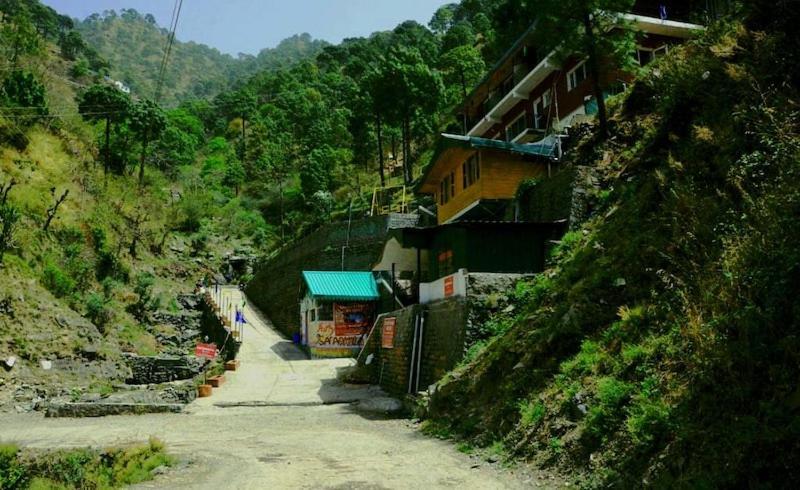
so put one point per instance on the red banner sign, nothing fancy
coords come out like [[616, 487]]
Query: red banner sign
[[449, 286], [387, 335], [209, 351]]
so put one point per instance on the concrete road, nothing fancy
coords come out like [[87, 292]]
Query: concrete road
[[297, 436]]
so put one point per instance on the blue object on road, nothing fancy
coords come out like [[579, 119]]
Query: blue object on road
[[296, 338]]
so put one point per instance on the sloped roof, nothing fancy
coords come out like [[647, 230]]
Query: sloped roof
[[341, 286]]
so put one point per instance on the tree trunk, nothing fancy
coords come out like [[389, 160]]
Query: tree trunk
[[244, 139], [380, 148], [141, 161], [280, 198], [394, 148], [407, 151], [108, 146], [403, 137], [594, 68]]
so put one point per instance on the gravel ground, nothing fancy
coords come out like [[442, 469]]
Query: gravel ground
[[299, 432]]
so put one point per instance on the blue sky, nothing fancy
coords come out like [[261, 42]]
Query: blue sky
[[247, 26]]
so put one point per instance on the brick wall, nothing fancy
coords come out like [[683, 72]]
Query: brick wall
[[442, 346]]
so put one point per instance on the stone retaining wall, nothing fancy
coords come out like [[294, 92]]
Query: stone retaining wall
[[104, 409], [161, 369]]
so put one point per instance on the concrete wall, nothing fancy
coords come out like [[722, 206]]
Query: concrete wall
[[275, 288]]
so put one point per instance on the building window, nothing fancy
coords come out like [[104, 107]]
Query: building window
[[576, 76], [313, 315], [325, 312], [516, 128], [471, 171], [447, 189], [645, 56]]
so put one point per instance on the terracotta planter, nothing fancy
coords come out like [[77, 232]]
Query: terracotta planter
[[204, 391], [216, 381], [231, 365]]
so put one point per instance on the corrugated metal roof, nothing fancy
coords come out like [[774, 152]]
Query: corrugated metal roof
[[342, 286]]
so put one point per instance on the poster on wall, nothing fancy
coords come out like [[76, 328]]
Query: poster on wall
[[324, 336], [449, 286], [352, 319], [389, 328]]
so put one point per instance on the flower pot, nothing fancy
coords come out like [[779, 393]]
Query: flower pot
[[232, 365], [216, 381], [204, 391]]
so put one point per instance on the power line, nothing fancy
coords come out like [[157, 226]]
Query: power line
[[170, 42]]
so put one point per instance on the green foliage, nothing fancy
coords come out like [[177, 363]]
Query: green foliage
[[531, 413], [97, 310], [81, 468], [57, 281], [71, 45], [12, 473], [9, 217], [146, 301], [21, 89]]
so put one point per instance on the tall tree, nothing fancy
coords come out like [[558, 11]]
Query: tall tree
[[148, 121], [408, 86], [587, 28], [104, 103]]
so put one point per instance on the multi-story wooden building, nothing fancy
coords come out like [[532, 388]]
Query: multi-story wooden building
[[514, 119]]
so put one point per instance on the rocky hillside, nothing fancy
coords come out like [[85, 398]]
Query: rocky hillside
[[660, 348], [94, 265]]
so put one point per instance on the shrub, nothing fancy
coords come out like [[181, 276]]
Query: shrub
[[607, 412], [97, 310], [531, 413], [647, 420], [146, 301], [57, 281], [12, 473]]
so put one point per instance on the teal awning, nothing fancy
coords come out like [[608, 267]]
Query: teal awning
[[341, 286]]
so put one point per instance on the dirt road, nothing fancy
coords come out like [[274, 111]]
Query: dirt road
[[300, 434]]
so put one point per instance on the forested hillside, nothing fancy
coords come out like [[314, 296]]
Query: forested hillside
[[92, 250], [134, 44], [660, 347]]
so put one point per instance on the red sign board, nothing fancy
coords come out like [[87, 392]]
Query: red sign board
[[209, 351], [387, 334], [449, 286]]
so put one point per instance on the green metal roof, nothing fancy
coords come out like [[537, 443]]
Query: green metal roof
[[342, 286]]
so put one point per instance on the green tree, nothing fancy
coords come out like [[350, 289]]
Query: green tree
[[407, 87], [234, 175], [19, 36], [148, 121], [71, 45], [9, 216], [587, 27], [462, 68], [104, 103], [21, 89]]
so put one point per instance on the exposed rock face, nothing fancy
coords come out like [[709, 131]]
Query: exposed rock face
[[161, 369]]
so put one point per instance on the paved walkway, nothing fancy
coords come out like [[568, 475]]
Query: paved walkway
[[292, 438], [274, 371]]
